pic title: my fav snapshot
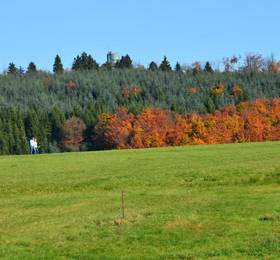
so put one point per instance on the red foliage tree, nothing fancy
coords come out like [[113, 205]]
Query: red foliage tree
[[255, 121], [72, 84], [72, 133]]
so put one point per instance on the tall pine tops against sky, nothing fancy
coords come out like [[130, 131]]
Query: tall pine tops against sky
[[183, 30]]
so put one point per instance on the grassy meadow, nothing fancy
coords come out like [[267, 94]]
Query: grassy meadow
[[193, 202]]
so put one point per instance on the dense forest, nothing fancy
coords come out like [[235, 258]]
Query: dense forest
[[64, 109]]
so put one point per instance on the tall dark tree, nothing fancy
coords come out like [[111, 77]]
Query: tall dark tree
[[84, 62], [31, 68], [77, 63], [208, 67], [56, 119], [21, 70], [124, 63], [165, 65], [153, 66], [57, 66], [12, 69], [178, 67]]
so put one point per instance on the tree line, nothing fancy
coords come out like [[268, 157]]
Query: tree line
[[50, 106], [84, 61], [153, 127]]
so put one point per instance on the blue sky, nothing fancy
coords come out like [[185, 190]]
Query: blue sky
[[183, 30]]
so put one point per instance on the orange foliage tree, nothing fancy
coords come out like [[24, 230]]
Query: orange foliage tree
[[255, 121]]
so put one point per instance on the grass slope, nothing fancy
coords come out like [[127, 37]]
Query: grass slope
[[219, 201]]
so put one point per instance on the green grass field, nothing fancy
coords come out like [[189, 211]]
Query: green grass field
[[219, 201]]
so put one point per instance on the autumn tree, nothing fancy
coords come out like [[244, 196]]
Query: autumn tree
[[73, 133], [253, 62]]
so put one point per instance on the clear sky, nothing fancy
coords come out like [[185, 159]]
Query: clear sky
[[183, 30]]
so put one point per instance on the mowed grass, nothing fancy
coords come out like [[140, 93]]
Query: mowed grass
[[219, 201]]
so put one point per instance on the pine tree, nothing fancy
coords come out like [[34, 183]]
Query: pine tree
[[210, 105], [4, 149], [12, 69], [178, 67], [208, 67], [77, 63], [84, 62], [165, 65], [124, 63], [153, 66], [32, 124], [57, 66], [31, 68], [21, 70], [56, 119]]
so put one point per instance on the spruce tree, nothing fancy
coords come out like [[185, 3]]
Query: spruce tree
[[165, 65], [124, 63], [21, 70], [4, 148], [12, 69], [153, 66], [208, 67], [31, 68], [56, 119], [57, 66], [77, 63], [84, 62], [178, 67]]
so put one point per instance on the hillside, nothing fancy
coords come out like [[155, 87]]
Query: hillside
[[218, 201], [56, 108]]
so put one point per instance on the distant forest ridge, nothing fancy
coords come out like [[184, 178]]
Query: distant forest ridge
[[84, 61]]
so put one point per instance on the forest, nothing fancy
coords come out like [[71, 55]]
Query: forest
[[124, 105]]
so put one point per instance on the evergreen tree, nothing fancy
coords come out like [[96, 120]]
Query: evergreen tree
[[12, 69], [178, 67], [57, 66], [77, 63], [124, 63], [153, 66], [210, 105], [4, 148], [84, 62], [90, 63], [32, 124], [165, 65], [56, 120], [208, 67], [21, 70], [31, 68]]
